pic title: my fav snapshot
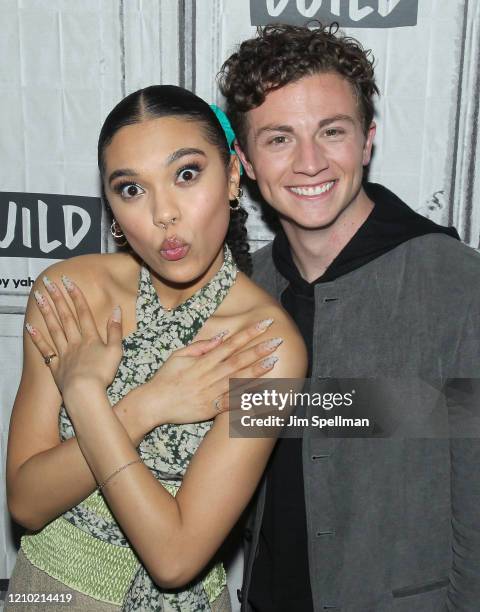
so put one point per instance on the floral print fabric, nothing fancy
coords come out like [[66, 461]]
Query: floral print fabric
[[168, 449]]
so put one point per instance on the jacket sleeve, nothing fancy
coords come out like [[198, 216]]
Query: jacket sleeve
[[463, 401]]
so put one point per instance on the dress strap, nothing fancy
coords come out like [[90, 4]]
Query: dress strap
[[147, 299], [200, 306]]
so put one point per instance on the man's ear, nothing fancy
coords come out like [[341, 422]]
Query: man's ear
[[245, 163], [367, 147]]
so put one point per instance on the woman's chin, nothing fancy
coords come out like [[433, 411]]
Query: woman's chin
[[180, 272]]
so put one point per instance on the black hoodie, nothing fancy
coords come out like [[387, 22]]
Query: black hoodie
[[280, 579]]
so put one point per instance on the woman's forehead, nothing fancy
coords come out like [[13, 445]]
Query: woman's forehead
[[159, 138]]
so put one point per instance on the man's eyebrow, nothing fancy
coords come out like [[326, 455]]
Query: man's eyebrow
[[288, 129], [273, 127], [121, 172], [329, 120], [182, 152]]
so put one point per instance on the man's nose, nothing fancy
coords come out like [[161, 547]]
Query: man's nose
[[310, 158]]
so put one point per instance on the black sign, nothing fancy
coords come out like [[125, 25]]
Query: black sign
[[348, 13], [49, 226]]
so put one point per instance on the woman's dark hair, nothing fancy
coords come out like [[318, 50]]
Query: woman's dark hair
[[281, 54], [172, 101]]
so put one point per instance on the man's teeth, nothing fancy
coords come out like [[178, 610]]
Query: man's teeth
[[313, 191]]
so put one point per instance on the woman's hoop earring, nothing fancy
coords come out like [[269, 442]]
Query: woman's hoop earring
[[117, 233], [238, 204]]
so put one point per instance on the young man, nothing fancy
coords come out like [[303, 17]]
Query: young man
[[357, 525]]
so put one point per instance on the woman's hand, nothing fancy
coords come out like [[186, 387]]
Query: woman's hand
[[78, 353], [191, 386], [193, 383]]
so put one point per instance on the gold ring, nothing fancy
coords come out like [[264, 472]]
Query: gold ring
[[49, 358]]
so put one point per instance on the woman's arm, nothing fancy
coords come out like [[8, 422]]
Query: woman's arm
[[46, 477], [176, 537]]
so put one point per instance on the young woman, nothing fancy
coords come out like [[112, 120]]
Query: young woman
[[127, 506]]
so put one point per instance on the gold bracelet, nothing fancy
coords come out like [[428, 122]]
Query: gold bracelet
[[100, 486]]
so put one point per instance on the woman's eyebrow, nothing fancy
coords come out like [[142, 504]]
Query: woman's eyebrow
[[182, 152], [170, 159], [121, 172]]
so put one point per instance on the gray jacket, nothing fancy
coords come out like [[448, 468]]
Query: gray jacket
[[393, 524]]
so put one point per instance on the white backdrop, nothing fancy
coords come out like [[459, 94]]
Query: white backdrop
[[64, 64]]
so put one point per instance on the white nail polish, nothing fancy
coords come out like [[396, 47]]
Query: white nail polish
[[117, 314], [272, 343], [41, 301], [30, 329], [220, 335], [269, 362], [51, 287], [67, 283], [261, 325]]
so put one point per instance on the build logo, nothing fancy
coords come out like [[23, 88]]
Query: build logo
[[348, 13], [49, 226]]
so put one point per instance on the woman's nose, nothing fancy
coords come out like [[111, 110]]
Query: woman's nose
[[165, 212]]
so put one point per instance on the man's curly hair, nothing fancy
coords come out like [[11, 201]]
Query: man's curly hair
[[282, 54]]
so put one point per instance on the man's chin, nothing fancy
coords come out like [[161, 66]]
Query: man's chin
[[308, 223]]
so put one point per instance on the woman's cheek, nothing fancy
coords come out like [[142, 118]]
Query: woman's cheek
[[213, 212], [137, 234], [132, 230]]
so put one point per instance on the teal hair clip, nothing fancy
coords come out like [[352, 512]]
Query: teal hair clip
[[227, 128]]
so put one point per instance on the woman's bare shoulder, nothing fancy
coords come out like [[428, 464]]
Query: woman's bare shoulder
[[254, 304], [95, 274], [251, 301], [106, 280]]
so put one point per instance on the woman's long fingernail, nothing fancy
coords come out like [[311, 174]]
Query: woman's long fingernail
[[117, 314], [41, 301], [264, 324], [272, 344], [51, 287], [220, 335], [268, 362], [67, 283], [30, 329]]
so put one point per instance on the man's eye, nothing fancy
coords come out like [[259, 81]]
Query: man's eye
[[278, 140], [333, 132], [129, 190], [188, 174]]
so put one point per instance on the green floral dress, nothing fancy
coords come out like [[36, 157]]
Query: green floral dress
[[99, 559]]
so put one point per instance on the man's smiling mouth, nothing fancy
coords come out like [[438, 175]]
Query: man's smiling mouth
[[312, 190]]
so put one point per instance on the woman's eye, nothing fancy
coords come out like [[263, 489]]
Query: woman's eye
[[187, 175], [129, 190]]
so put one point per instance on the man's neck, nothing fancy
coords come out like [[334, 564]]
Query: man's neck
[[313, 250]]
